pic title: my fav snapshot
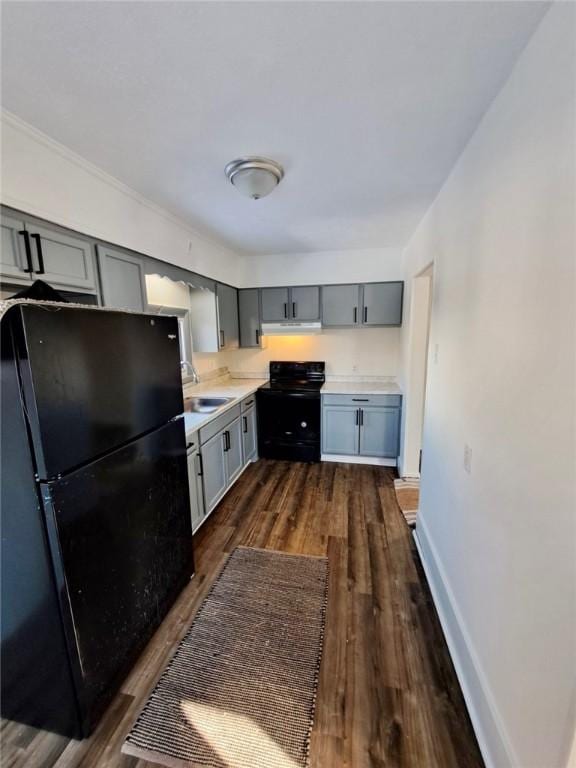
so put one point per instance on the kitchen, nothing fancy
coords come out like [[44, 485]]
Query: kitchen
[[272, 283]]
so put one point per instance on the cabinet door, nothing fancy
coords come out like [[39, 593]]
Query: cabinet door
[[305, 303], [248, 419], [274, 304], [59, 258], [379, 432], [249, 317], [13, 261], [195, 508], [340, 305], [233, 451], [227, 316], [214, 469], [122, 276], [340, 429], [382, 303]]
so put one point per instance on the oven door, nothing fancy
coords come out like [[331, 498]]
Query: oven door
[[289, 425]]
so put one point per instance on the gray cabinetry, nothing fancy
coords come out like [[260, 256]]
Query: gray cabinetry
[[233, 451], [340, 305], [304, 303], [274, 304], [249, 317], [249, 440], [361, 425], [122, 278], [13, 261], [195, 487], [340, 430], [227, 302], [214, 471], [382, 303], [379, 431]]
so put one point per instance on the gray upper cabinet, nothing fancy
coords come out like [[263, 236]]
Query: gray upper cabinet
[[249, 317], [13, 261], [304, 303], [382, 303], [227, 298], [379, 431], [61, 259], [122, 277], [340, 305], [340, 430], [274, 304]]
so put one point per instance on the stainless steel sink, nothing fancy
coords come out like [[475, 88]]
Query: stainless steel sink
[[205, 404]]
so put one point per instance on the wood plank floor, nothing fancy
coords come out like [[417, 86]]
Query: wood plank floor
[[388, 694]]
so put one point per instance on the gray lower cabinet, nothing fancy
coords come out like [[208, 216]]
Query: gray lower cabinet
[[304, 303], [379, 432], [227, 302], [122, 278], [214, 471], [195, 488], [249, 317], [274, 304], [13, 262], [340, 305], [233, 451], [349, 429], [340, 429], [249, 435], [382, 303]]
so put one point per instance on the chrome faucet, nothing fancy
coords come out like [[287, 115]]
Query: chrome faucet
[[186, 366]]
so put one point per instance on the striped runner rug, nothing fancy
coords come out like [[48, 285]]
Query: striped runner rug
[[408, 498], [240, 690]]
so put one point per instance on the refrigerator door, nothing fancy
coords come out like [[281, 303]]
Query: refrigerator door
[[94, 380], [121, 540]]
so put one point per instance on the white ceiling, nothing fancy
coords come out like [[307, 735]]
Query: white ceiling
[[367, 104]]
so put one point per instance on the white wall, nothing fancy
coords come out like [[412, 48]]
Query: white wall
[[43, 178], [500, 543], [364, 352], [324, 267]]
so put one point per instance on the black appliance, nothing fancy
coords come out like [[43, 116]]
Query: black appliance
[[96, 530], [289, 411]]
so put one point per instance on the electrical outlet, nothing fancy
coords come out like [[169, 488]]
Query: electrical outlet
[[468, 459]]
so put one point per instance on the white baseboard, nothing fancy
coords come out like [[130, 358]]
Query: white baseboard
[[489, 728], [374, 461]]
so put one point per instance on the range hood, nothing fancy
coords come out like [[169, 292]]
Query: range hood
[[291, 328]]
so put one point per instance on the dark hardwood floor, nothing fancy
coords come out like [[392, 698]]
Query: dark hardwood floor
[[388, 694]]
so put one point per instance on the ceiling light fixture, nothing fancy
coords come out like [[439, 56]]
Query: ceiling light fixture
[[254, 177]]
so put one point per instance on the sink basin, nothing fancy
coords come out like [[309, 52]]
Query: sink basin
[[204, 404]]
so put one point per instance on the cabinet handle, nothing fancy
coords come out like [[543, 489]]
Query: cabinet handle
[[200, 465], [285, 309], [189, 445], [222, 338], [293, 309], [224, 441], [250, 402], [38, 240], [360, 400], [26, 236], [355, 315], [361, 417], [245, 424], [357, 412], [257, 337], [365, 314]]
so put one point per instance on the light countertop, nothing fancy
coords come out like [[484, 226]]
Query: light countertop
[[361, 388], [237, 389]]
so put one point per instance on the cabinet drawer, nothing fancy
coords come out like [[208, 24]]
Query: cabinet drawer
[[219, 424], [390, 401], [248, 402]]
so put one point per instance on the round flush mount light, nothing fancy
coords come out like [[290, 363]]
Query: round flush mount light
[[254, 177]]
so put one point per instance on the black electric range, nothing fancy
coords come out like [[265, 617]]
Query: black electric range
[[289, 411]]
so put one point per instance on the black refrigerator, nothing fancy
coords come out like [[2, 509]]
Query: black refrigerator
[[95, 515]]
